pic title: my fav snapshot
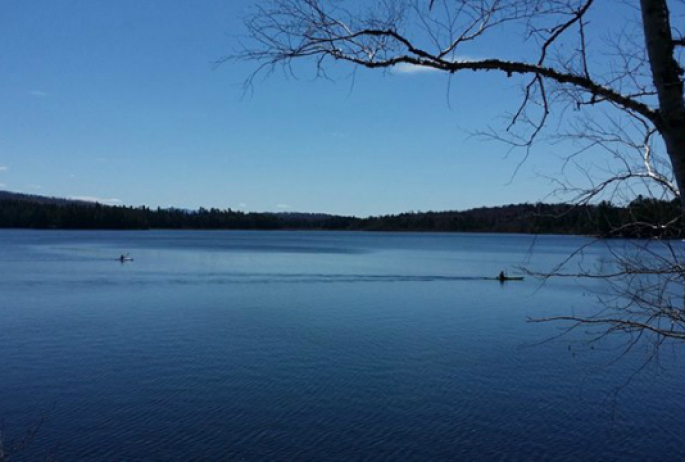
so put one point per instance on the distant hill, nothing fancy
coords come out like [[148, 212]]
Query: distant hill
[[7, 195], [323, 221], [644, 217]]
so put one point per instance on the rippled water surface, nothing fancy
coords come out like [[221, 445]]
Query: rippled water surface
[[316, 346]]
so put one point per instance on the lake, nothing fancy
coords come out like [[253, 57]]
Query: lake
[[218, 345]]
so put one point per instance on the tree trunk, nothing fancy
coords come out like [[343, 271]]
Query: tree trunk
[[667, 75]]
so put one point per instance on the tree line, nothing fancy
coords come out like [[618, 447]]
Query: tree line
[[643, 218]]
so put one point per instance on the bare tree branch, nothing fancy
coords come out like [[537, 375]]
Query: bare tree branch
[[626, 100]]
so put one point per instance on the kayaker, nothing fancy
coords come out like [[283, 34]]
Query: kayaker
[[501, 276]]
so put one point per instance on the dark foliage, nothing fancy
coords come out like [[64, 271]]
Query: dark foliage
[[646, 218]]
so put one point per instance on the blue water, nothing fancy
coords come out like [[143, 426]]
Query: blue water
[[317, 346]]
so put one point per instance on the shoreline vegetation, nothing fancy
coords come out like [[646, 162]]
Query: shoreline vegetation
[[642, 218]]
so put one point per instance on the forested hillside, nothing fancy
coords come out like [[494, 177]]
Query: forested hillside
[[641, 218]]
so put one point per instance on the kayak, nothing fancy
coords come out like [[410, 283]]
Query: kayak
[[510, 278]]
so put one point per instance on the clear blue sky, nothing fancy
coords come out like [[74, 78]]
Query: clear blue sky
[[120, 101]]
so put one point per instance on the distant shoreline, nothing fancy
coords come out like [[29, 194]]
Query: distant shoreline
[[642, 218]]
